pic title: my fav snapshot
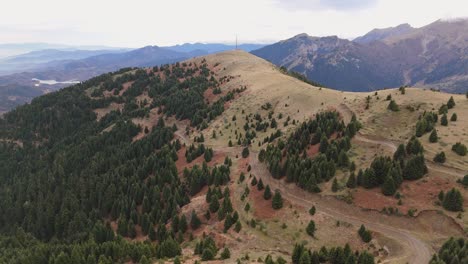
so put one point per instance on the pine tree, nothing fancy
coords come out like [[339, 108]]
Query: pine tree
[[399, 153], [453, 200], [459, 148], [195, 221], [365, 234], [351, 183], [443, 109], [443, 120], [311, 228], [226, 253], [238, 226], [453, 118], [388, 187], [260, 185], [267, 193], [305, 258], [440, 157], [343, 160], [433, 137], [277, 202], [451, 103], [254, 181], [441, 196], [214, 204], [323, 144], [335, 185], [393, 106], [245, 152]]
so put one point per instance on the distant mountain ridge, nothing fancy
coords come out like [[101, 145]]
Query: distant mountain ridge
[[381, 34], [71, 64], [213, 47], [431, 56]]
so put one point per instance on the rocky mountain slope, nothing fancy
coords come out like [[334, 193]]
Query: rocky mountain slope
[[432, 56]]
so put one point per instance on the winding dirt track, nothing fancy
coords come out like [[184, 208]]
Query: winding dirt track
[[347, 113], [416, 251]]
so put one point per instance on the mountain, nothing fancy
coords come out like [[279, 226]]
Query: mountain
[[213, 157], [334, 62], [35, 60], [77, 69], [42, 56], [12, 49], [381, 34], [431, 56], [213, 47]]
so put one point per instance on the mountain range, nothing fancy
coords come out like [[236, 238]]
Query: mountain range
[[432, 56], [63, 64]]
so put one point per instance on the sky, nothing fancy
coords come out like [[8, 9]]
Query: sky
[[139, 23]]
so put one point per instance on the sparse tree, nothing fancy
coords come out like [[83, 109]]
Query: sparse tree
[[267, 193], [277, 202], [440, 157], [453, 118], [389, 186], [433, 137], [245, 152], [453, 200], [444, 120], [351, 183], [451, 103], [311, 228], [393, 106]]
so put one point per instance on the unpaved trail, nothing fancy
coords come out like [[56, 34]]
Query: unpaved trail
[[347, 113], [181, 134], [416, 251]]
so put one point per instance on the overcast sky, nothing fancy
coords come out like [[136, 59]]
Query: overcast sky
[[138, 23]]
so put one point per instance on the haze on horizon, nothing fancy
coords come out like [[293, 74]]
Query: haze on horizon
[[121, 23]]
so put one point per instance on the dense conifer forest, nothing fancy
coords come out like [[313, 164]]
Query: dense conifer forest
[[68, 176]]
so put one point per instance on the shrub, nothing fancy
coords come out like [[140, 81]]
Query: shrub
[[440, 157], [365, 234]]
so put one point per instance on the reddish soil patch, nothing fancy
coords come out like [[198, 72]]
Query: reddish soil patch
[[148, 122], [420, 195], [242, 165], [181, 163], [139, 234], [125, 87], [210, 97], [313, 150], [262, 208]]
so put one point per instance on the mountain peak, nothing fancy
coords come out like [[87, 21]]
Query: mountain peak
[[379, 34]]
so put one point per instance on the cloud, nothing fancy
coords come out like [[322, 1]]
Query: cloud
[[337, 5], [348, 4]]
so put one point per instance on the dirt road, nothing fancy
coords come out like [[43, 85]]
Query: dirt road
[[416, 251], [347, 113]]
